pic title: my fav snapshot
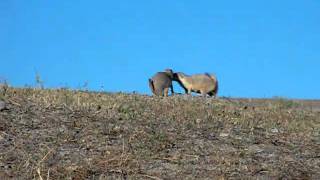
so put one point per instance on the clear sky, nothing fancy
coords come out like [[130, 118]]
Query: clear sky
[[256, 48]]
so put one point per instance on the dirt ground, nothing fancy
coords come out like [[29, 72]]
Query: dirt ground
[[64, 134]]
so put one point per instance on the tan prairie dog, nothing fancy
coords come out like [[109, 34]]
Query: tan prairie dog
[[161, 82], [198, 83]]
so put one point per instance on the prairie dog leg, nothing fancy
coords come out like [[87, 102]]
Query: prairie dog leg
[[203, 93], [171, 87], [166, 90], [189, 91]]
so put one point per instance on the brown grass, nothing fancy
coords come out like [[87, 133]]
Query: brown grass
[[64, 134]]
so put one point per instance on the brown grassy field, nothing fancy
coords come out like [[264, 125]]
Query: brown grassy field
[[64, 134]]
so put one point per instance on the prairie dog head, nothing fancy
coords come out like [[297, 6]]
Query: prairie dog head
[[169, 72], [179, 76]]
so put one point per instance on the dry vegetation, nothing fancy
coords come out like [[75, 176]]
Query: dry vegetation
[[64, 134]]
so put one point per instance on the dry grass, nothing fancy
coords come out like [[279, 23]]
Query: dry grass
[[64, 134]]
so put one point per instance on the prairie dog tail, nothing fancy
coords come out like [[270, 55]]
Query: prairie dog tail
[[151, 85], [214, 78], [216, 89]]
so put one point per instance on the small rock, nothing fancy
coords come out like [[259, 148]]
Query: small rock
[[255, 149], [224, 134], [2, 105], [198, 121], [212, 136], [274, 130]]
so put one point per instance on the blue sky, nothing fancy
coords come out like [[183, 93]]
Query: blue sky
[[256, 48]]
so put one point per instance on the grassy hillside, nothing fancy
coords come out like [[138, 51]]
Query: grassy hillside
[[62, 134]]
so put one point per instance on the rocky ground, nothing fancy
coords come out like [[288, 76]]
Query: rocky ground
[[64, 134]]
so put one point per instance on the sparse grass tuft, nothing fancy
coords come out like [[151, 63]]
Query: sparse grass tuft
[[285, 103]]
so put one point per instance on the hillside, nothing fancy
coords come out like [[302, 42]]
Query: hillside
[[64, 134]]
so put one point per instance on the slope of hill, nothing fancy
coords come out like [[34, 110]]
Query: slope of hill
[[63, 134]]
